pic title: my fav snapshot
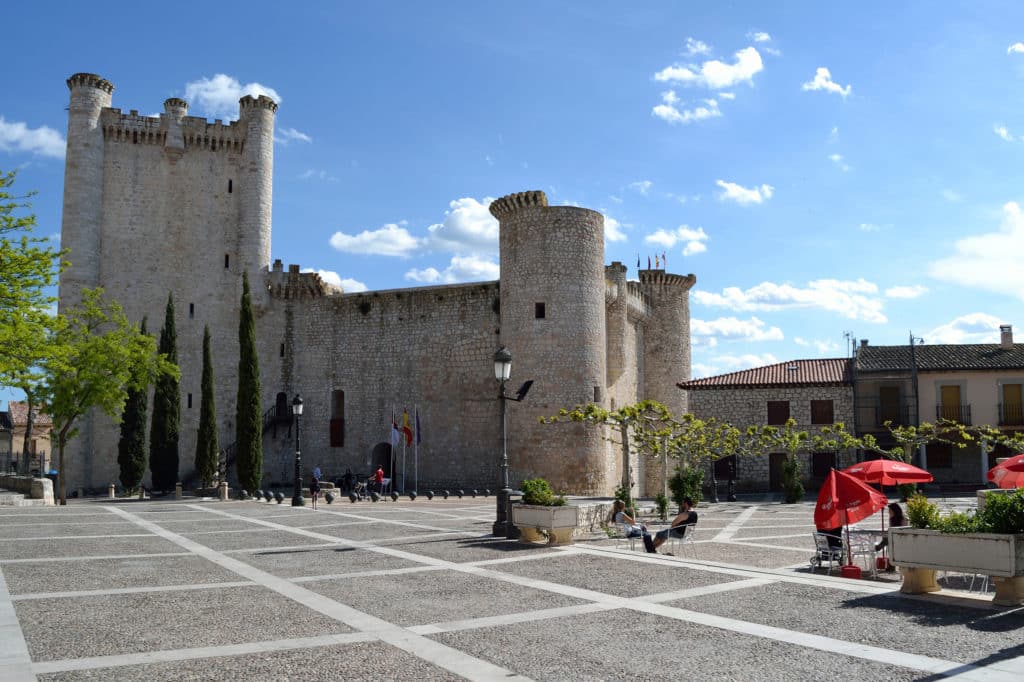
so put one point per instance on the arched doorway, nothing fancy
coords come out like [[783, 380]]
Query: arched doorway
[[381, 456]]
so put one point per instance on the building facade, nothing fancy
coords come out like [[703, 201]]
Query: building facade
[[176, 205]]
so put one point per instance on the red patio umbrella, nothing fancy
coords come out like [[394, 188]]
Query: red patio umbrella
[[1009, 474], [888, 472], [843, 500]]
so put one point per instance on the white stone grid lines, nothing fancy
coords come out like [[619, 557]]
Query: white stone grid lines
[[595, 601]]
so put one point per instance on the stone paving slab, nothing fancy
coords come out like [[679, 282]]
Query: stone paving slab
[[365, 660], [743, 533], [322, 561], [759, 557], [614, 576], [432, 596], [105, 574], [464, 549], [928, 628], [381, 532], [202, 524], [10, 530], [620, 645], [119, 624], [255, 539], [43, 549]]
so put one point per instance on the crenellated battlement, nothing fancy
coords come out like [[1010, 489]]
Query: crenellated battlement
[[196, 131], [296, 286], [664, 279], [175, 103], [261, 102], [512, 203], [90, 80]]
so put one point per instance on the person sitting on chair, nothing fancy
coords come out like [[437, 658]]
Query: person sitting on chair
[[834, 537], [686, 517], [630, 528], [895, 521], [378, 479]]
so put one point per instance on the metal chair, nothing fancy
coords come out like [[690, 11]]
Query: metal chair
[[862, 546], [689, 532], [825, 552]]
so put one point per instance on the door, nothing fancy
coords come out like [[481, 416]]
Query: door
[[775, 462], [950, 407], [889, 405]]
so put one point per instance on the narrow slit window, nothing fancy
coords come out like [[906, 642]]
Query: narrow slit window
[[539, 311], [229, 187], [190, 401], [282, 350], [191, 311], [227, 260]]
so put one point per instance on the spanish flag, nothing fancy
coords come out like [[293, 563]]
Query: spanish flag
[[406, 429]]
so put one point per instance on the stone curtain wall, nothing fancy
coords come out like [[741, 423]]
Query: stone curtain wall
[[745, 406]]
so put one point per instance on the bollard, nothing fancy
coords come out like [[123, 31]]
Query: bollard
[[224, 491], [177, 490], [110, 491]]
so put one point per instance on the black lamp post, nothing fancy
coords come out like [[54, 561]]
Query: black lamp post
[[297, 500], [502, 372]]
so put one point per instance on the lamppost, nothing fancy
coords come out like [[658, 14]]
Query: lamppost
[[297, 500], [502, 372]]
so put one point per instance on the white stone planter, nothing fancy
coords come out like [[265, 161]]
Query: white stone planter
[[919, 553], [558, 522]]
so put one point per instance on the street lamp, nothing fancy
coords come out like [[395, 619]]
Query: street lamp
[[297, 500], [502, 372]]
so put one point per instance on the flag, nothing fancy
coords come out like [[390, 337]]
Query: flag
[[395, 435], [656, 261], [638, 261], [405, 426], [664, 260], [648, 262], [419, 432]]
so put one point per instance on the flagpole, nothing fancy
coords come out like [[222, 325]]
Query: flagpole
[[416, 451], [403, 465]]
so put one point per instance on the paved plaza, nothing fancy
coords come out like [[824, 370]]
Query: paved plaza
[[199, 589]]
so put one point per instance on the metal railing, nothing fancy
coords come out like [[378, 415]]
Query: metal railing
[[957, 412], [1011, 414]]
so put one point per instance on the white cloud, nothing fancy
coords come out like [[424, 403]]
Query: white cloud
[[759, 37], [641, 186], [352, 286], [715, 74], [613, 229], [868, 227], [694, 239], [1016, 47], [218, 97], [670, 113], [286, 135], [743, 196], [724, 364], [970, 328], [694, 46], [460, 269], [348, 286], [989, 261], [727, 95], [16, 136], [950, 195], [389, 240], [906, 291], [1002, 132], [856, 300], [468, 227], [823, 81], [734, 329], [823, 346], [833, 135], [837, 159]]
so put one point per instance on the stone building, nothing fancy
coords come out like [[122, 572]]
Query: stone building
[[176, 205], [13, 431], [814, 393]]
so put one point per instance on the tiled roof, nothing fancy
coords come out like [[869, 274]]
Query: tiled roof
[[19, 414], [940, 357], [817, 372]]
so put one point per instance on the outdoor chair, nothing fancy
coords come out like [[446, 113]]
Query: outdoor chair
[[622, 536], [862, 546], [824, 553], [679, 544]]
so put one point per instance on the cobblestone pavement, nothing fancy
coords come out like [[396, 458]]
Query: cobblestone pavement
[[198, 589]]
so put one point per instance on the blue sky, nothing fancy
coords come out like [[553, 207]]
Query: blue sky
[[826, 172]]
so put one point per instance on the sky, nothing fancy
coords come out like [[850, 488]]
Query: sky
[[829, 173]]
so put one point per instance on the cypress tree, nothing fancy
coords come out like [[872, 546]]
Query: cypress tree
[[131, 448], [163, 433], [206, 443], [248, 417]]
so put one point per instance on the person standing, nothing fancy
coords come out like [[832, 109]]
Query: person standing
[[317, 474], [314, 490]]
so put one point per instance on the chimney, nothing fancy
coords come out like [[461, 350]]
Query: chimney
[[1006, 336], [863, 343]]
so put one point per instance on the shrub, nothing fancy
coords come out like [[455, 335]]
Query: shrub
[[907, 490], [661, 502], [921, 513], [687, 483], [538, 491], [1003, 513], [792, 486]]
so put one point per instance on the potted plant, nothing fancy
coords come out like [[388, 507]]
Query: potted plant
[[990, 542], [542, 513]]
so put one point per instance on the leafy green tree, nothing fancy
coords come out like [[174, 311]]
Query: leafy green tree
[[164, 431], [101, 356], [131, 447], [249, 412], [206, 442], [794, 442]]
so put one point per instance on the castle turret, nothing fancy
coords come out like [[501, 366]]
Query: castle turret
[[553, 323], [83, 185], [667, 337], [175, 110], [256, 185]]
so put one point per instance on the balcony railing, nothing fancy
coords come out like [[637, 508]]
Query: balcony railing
[[872, 414], [1011, 414], [957, 412]]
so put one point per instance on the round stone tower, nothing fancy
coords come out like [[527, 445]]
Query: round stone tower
[[256, 188], [83, 185], [553, 324]]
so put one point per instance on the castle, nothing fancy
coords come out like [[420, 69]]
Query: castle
[[177, 205]]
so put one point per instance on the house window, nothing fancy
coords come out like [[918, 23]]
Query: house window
[[821, 412], [1011, 410], [778, 411], [538, 311], [337, 419], [940, 456]]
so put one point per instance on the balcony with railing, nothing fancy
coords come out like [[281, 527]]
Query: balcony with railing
[[958, 412], [872, 414], [1011, 414]]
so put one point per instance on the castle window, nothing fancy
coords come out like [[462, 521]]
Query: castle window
[[337, 419], [229, 187], [227, 260], [135, 137], [282, 350], [538, 311], [191, 311], [190, 401]]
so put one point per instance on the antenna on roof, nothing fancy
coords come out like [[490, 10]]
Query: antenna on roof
[[851, 342]]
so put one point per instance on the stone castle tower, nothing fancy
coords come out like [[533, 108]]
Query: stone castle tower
[[176, 205]]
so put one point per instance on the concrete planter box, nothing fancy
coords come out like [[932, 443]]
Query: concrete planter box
[[558, 522], [919, 553]]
